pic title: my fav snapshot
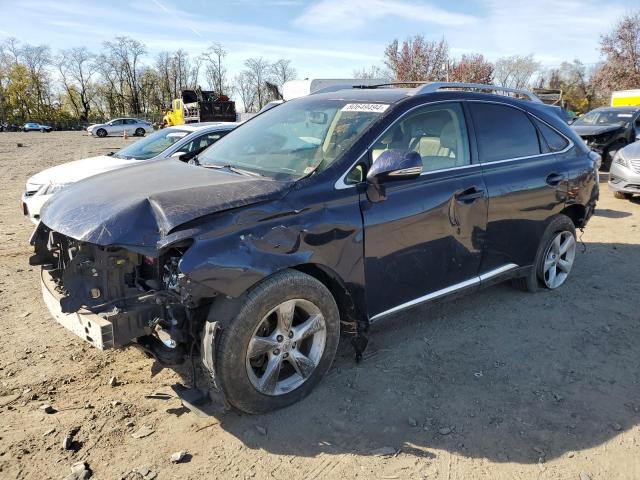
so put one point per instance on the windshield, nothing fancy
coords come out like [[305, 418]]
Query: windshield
[[153, 145], [294, 139], [604, 117]]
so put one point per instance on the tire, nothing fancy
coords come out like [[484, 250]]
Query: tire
[[623, 196], [139, 132], [535, 279], [101, 132], [236, 372]]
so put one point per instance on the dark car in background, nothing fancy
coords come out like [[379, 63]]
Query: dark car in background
[[608, 129], [322, 215]]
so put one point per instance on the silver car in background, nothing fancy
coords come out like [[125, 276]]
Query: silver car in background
[[117, 127], [624, 176]]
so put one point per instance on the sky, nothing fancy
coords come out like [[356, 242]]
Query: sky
[[322, 38]]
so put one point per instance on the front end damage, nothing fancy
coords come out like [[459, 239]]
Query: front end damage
[[112, 296]]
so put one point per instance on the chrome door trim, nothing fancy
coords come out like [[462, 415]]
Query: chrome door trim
[[445, 291]]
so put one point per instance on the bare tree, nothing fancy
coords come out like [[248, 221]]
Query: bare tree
[[257, 72], [372, 72], [473, 68], [244, 89], [417, 59], [125, 55], [282, 71], [621, 49], [215, 71], [516, 71], [76, 67]]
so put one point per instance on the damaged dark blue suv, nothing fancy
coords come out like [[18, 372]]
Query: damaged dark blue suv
[[314, 219]]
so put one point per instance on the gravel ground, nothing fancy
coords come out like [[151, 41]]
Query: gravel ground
[[496, 385]]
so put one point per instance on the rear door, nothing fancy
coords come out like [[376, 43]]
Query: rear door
[[525, 182], [426, 236]]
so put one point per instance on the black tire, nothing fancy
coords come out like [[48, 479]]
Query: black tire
[[139, 132], [101, 132], [532, 282], [623, 196], [231, 349]]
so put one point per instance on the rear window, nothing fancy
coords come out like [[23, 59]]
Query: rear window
[[503, 132], [555, 141]]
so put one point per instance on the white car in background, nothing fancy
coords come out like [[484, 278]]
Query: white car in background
[[183, 142], [118, 126]]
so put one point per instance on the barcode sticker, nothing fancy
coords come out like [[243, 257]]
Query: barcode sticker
[[365, 107]]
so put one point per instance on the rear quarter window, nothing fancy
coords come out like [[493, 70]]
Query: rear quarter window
[[503, 132], [554, 140]]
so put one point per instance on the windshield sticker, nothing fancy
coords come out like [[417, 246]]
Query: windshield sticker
[[624, 115], [365, 107]]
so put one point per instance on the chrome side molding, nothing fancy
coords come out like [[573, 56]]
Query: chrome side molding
[[445, 291]]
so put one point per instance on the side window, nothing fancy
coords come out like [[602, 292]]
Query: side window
[[355, 176], [437, 132], [117, 122], [503, 132], [202, 142], [554, 140], [131, 121]]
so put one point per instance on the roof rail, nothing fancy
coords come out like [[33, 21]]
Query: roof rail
[[435, 86]]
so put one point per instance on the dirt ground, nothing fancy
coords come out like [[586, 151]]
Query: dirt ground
[[497, 385]]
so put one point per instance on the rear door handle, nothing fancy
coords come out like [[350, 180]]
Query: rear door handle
[[554, 179], [469, 195]]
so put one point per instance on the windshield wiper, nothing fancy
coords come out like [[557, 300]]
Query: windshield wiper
[[232, 169]]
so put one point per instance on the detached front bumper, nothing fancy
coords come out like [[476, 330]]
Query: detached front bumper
[[624, 180], [87, 325]]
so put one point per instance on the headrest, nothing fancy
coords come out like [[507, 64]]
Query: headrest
[[448, 138]]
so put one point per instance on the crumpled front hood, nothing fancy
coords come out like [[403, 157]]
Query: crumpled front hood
[[137, 206], [591, 130]]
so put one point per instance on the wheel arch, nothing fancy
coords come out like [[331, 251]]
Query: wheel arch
[[577, 214]]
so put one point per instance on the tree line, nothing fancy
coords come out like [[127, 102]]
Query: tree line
[[77, 85]]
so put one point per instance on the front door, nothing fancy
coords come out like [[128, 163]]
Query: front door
[[426, 236]]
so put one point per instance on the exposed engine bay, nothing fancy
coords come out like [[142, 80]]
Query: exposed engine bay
[[111, 296]]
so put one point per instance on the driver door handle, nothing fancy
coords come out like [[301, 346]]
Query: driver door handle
[[469, 195], [554, 179]]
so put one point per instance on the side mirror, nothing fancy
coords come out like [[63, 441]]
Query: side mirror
[[392, 165], [178, 154]]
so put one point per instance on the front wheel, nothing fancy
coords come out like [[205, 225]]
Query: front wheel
[[101, 133], [554, 258], [279, 345], [139, 132]]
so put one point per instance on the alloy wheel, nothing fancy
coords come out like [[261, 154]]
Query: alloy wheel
[[558, 259], [286, 347]]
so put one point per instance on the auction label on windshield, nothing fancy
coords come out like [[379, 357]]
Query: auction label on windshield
[[365, 107]]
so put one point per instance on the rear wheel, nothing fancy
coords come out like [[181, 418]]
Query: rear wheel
[[101, 133], [279, 345], [554, 258], [623, 196], [139, 132]]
